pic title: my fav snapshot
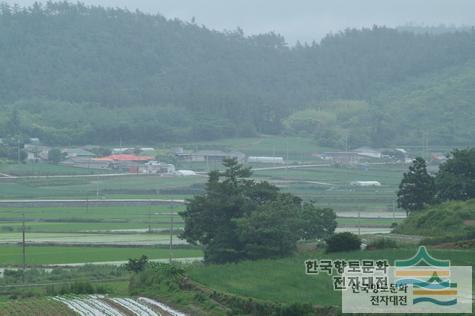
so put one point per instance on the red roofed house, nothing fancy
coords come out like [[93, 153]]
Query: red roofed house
[[126, 162]]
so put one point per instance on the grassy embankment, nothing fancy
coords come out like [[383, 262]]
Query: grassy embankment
[[285, 281], [448, 222]]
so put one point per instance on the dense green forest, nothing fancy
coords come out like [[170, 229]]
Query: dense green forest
[[77, 74]]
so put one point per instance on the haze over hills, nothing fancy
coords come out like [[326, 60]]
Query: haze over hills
[[78, 74]]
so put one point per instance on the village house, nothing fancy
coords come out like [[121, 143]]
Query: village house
[[209, 155], [126, 162]]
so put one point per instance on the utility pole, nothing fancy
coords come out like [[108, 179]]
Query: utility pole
[[18, 146], [394, 211], [359, 223], [287, 150], [425, 146], [150, 217], [286, 155], [171, 236], [23, 248]]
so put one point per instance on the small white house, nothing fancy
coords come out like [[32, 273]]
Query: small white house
[[369, 152], [276, 160], [365, 183], [185, 173]]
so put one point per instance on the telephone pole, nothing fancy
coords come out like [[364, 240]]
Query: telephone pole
[[171, 236], [359, 223], [18, 147], [23, 247], [150, 217]]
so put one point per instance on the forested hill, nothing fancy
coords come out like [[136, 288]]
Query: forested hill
[[79, 74]]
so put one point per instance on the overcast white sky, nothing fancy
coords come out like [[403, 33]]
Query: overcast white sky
[[303, 20]]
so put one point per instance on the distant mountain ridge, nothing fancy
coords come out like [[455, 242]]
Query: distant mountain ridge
[[112, 73]]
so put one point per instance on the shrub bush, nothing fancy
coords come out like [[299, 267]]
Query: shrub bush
[[382, 243], [343, 242]]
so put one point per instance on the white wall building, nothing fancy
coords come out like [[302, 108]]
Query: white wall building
[[275, 160], [365, 183]]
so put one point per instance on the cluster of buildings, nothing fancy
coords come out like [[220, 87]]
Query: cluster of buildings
[[141, 160], [364, 154], [211, 156], [129, 163]]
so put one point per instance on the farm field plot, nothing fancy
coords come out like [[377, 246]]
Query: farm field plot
[[99, 187], [367, 222], [96, 214], [107, 219], [330, 186], [35, 306], [334, 190], [97, 305], [388, 175], [45, 169], [113, 226], [36, 255], [285, 281], [63, 227], [93, 239]]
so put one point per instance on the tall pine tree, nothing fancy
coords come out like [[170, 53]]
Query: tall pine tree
[[417, 188]]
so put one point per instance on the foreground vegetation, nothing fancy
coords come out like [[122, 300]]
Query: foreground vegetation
[[264, 286]]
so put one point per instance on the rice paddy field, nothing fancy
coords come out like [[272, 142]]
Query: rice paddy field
[[328, 186], [149, 225]]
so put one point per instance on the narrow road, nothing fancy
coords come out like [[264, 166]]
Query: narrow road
[[82, 202]]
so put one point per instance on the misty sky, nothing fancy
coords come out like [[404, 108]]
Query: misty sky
[[303, 20]]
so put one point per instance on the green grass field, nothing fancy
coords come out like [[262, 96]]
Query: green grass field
[[12, 255], [285, 281]]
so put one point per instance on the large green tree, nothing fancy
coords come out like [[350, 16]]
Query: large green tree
[[209, 217], [55, 155], [317, 223], [456, 177], [237, 218], [272, 230], [417, 188]]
